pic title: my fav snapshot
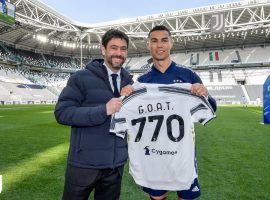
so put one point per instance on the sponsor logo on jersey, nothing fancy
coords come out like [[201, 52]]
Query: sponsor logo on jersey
[[152, 151], [147, 150]]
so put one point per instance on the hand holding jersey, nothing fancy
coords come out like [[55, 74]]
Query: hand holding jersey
[[127, 90], [199, 89], [113, 106]]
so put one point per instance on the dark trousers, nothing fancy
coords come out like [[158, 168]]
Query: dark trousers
[[79, 183]]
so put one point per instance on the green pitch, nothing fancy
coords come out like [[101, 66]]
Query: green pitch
[[233, 155]]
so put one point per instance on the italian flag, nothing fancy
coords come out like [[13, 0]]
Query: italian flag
[[213, 56]]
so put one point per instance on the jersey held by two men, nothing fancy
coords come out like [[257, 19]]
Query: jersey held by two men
[[159, 122]]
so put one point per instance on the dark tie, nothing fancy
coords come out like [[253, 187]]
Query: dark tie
[[115, 92]]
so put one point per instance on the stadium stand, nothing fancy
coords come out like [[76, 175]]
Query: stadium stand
[[228, 76], [26, 86], [228, 57]]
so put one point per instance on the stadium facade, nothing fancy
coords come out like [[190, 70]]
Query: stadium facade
[[43, 47]]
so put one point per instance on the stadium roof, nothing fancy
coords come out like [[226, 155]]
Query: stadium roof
[[40, 28]]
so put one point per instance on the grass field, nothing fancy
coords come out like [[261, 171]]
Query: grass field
[[233, 154]]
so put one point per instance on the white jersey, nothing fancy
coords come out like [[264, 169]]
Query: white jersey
[[159, 120]]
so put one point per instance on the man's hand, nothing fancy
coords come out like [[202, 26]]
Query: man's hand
[[113, 106], [127, 90], [199, 89]]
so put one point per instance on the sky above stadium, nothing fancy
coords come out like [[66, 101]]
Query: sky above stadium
[[94, 11]]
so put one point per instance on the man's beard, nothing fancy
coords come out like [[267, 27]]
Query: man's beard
[[118, 65]]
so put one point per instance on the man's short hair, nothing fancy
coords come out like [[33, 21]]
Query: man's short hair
[[113, 33], [159, 28]]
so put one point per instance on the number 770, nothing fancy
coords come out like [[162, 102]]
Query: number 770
[[160, 119]]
